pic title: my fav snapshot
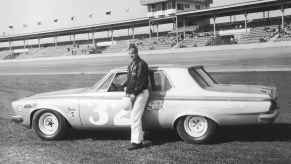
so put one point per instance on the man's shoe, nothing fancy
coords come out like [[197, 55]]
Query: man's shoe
[[134, 146]]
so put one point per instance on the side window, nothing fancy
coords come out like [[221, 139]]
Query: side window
[[180, 6], [159, 81], [118, 82], [106, 83]]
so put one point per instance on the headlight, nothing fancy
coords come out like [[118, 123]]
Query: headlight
[[28, 106], [19, 106]]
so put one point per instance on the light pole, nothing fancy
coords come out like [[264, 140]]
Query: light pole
[[9, 35]]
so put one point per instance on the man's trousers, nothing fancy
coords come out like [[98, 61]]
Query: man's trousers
[[136, 116]]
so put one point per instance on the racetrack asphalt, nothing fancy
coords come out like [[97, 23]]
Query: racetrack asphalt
[[256, 59]]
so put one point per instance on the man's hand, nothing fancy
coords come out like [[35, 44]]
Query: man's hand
[[132, 97]]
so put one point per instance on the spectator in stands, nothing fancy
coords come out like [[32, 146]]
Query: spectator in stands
[[232, 40], [280, 31], [137, 91], [181, 37]]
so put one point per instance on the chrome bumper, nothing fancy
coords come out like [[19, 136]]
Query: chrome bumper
[[268, 118], [16, 119]]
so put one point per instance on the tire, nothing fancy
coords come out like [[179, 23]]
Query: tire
[[49, 124], [196, 129]]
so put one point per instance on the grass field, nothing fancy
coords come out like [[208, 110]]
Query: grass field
[[243, 145]]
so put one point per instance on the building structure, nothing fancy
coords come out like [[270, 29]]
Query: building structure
[[161, 8], [179, 19]]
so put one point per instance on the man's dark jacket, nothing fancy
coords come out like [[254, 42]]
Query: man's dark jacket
[[137, 77]]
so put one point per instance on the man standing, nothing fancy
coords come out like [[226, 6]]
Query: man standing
[[137, 90]]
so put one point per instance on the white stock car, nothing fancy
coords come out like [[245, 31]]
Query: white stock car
[[183, 98]]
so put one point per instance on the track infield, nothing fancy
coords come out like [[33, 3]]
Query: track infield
[[248, 144]]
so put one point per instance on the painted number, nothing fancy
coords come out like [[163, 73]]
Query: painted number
[[123, 116], [100, 116]]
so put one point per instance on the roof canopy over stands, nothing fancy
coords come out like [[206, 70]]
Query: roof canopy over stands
[[147, 2], [240, 8], [185, 29]]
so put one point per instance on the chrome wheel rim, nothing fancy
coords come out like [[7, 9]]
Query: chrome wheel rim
[[48, 123], [195, 126]]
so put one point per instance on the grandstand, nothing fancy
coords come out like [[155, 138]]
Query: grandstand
[[190, 23]]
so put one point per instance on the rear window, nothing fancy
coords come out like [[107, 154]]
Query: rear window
[[206, 76], [199, 78]]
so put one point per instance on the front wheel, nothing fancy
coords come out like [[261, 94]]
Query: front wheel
[[49, 124], [196, 129]]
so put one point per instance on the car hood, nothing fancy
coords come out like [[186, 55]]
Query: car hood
[[256, 89], [59, 93]]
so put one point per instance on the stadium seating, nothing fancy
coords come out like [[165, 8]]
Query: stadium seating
[[258, 34], [145, 44], [162, 42], [166, 40], [196, 41], [118, 47], [31, 54], [4, 53], [51, 52], [283, 38], [44, 52], [285, 35], [200, 39]]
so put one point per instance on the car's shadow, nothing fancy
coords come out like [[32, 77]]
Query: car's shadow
[[155, 137], [274, 132]]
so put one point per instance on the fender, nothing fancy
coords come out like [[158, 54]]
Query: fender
[[73, 120]]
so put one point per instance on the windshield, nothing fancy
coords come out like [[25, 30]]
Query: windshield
[[103, 82], [201, 77]]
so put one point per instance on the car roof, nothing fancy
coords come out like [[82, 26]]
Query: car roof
[[160, 67]]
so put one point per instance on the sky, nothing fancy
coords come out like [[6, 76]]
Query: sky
[[28, 16]]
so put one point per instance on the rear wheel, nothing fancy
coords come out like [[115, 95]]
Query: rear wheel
[[196, 129], [49, 124]]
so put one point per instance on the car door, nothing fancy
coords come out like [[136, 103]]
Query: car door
[[159, 86], [106, 107]]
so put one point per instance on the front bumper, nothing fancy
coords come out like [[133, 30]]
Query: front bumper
[[16, 118], [268, 118]]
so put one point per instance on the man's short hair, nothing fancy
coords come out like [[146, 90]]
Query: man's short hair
[[134, 47]]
